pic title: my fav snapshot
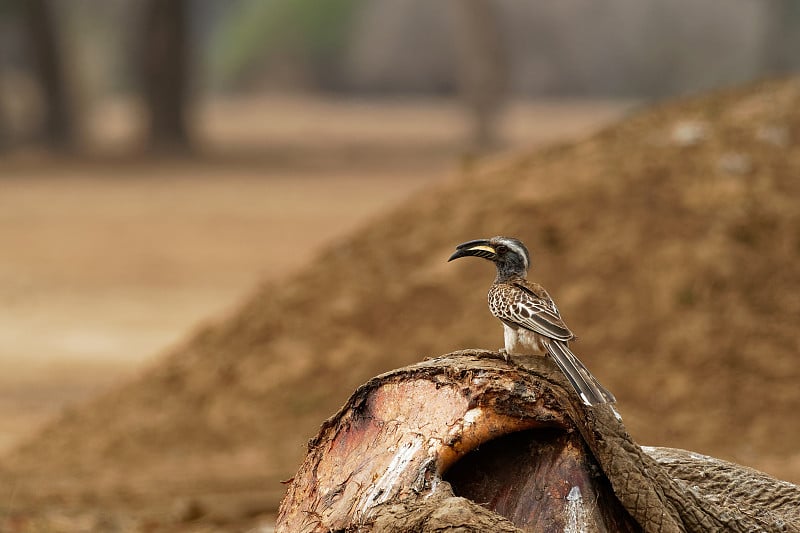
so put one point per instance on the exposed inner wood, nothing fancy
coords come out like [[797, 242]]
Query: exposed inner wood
[[541, 480]]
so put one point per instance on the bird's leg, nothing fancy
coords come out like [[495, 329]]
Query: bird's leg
[[504, 353]]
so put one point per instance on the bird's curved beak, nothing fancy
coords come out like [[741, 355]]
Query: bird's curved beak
[[477, 248]]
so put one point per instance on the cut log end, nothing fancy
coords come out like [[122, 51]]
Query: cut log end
[[472, 441]]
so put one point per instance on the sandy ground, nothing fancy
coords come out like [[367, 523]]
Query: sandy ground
[[109, 260], [100, 274]]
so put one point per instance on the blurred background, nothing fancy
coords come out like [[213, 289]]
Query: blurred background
[[123, 77], [159, 159]]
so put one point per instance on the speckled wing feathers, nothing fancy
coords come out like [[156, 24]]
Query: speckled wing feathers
[[528, 305], [525, 304]]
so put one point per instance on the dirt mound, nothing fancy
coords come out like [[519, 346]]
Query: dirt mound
[[669, 241]]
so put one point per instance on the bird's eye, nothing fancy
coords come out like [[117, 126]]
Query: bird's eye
[[501, 249]]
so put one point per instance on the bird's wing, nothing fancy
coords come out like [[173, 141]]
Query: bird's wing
[[532, 308]]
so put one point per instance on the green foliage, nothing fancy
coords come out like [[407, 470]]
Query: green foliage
[[309, 29]]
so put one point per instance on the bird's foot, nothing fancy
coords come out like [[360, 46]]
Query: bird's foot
[[505, 354]]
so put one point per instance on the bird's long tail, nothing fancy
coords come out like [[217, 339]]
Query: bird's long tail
[[586, 385]]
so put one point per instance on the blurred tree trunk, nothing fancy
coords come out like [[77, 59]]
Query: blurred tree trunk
[[4, 133], [47, 63], [782, 37], [164, 74], [482, 66]]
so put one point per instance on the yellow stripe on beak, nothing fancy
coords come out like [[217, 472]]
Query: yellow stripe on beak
[[483, 248]]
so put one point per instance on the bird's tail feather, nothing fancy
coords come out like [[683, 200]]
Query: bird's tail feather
[[585, 384]]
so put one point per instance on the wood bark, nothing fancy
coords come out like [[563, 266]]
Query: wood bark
[[468, 442]]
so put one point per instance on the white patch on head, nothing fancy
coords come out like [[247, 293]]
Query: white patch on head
[[519, 250]]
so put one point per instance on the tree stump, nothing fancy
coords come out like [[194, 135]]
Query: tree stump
[[469, 442]]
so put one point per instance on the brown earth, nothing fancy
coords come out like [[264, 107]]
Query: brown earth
[[74, 318], [669, 242], [191, 236], [112, 258]]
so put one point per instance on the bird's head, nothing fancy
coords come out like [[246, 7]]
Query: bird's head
[[508, 254]]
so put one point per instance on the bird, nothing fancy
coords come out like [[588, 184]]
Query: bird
[[532, 324]]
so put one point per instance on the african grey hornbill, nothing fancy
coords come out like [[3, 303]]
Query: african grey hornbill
[[532, 324]]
